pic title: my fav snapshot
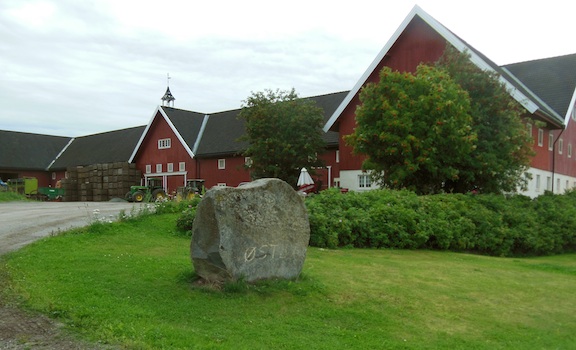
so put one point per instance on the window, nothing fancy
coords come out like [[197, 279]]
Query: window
[[53, 176], [170, 167], [182, 166], [221, 163], [364, 181], [221, 184], [560, 146], [540, 137], [247, 162], [567, 185], [337, 156], [158, 168], [574, 113], [164, 143], [550, 141], [537, 183], [569, 150], [148, 168], [558, 186], [548, 183], [529, 129]]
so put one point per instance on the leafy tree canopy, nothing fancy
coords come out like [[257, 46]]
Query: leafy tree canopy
[[415, 130], [504, 148], [284, 133]]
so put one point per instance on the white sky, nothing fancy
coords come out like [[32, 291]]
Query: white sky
[[75, 68]]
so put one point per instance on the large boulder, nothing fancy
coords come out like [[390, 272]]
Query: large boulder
[[259, 230]]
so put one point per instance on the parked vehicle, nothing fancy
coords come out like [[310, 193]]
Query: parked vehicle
[[152, 191], [194, 187]]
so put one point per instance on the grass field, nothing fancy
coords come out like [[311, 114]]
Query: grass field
[[131, 283], [7, 196]]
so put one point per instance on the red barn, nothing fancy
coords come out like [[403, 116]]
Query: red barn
[[545, 88]]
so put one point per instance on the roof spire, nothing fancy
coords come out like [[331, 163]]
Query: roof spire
[[168, 99]]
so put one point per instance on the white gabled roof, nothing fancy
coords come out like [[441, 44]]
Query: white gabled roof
[[172, 127], [461, 46]]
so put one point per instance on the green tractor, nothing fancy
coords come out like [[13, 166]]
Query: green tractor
[[193, 188], [152, 191]]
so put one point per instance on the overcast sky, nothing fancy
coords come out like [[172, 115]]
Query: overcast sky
[[75, 68]]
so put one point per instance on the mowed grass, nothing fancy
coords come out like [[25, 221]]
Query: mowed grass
[[131, 284]]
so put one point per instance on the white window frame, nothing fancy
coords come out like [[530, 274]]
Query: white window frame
[[148, 168], [164, 143], [221, 163], [248, 162], [548, 183], [337, 156], [550, 141], [158, 168], [364, 181], [53, 176], [569, 150], [540, 137], [221, 184], [170, 167], [182, 166], [560, 146], [558, 189], [537, 183], [529, 129]]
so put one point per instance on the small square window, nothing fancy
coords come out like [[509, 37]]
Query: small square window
[[221, 163], [364, 181], [164, 143], [182, 166]]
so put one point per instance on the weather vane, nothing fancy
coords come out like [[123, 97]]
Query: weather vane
[[168, 79]]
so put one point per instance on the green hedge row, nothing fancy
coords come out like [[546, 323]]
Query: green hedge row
[[484, 224]]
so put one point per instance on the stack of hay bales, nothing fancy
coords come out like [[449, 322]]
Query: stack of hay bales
[[100, 182]]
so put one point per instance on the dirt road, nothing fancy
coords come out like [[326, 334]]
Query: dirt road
[[24, 222]]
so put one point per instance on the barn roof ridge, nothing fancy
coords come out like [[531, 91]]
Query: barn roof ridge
[[518, 90]]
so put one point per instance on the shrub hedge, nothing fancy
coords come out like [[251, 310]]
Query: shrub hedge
[[485, 224]]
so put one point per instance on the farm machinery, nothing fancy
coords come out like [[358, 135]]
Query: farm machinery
[[153, 190], [194, 187], [28, 186]]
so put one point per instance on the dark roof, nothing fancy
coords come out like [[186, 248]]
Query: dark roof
[[108, 147], [27, 151], [552, 79], [187, 123], [223, 129], [329, 103], [221, 134]]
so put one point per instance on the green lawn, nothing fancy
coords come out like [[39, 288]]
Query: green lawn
[[130, 283]]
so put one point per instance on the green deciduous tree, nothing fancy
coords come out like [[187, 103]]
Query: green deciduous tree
[[284, 133], [504, 149], [415, 130]]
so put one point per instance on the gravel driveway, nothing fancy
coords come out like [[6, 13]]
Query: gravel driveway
[[24, 222]]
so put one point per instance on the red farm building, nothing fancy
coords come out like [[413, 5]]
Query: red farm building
[[177, 144]]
